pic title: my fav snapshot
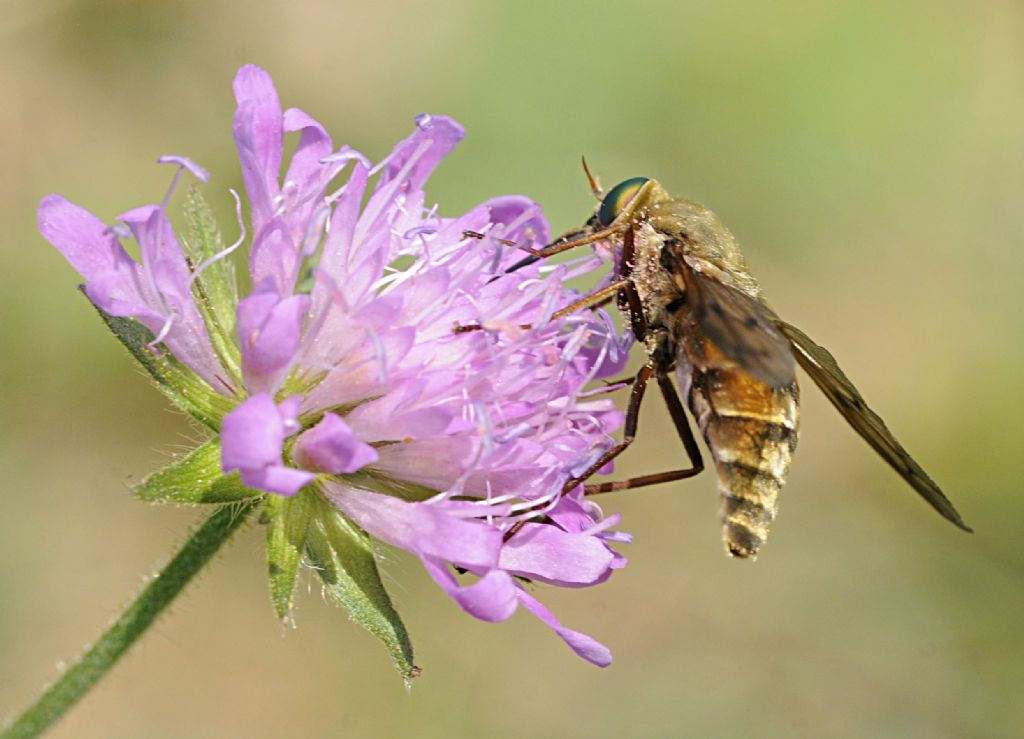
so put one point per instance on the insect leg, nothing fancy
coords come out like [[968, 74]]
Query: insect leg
[[682, 424], [635, 311], [678, 414], [636, 396], [597, 298], [575, 239], [639, 383], [594, 300], [557, 247]]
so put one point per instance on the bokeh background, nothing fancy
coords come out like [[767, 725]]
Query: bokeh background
[[868, 155]]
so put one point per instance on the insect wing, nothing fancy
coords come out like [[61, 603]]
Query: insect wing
[[741, 327], [824, 370]]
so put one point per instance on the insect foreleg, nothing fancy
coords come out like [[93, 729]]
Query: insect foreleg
[[635, 311], [558, 246]]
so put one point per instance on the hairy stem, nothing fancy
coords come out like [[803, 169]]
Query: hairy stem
[[132, 624]]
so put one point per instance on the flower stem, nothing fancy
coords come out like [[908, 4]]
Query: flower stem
[[132, 624]]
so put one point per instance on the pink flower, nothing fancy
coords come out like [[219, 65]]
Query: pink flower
[[349, 382]]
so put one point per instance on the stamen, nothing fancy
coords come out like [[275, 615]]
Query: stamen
[[514, 433], [382, 357], [198, 172], [495, 500], [224, 252], [344, 155], [336, 195], [484, 424], [552, 294], [162, 334], [336, 295], [388, 193], [194, 169], [534, 508], [119, 230], [613, 520], [419, 230], [315, 230], [280, 201]]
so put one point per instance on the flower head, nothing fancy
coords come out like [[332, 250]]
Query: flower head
[[338, 386]]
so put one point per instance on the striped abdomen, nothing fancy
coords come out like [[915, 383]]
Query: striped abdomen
[[751, 430]]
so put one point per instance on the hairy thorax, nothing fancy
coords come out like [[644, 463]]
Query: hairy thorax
[[707, 244]]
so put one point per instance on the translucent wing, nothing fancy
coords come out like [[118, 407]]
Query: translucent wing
[[741, 327], [823, 369]]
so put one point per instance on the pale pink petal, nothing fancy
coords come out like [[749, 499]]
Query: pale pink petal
[[259, 138], [84, 240], [589, 649], [546, 553], [331, 447], [276, 478], [491, 598], [270, 329], [274, 258], [421, 528], [252, 434], [251, 439], [306, 169]]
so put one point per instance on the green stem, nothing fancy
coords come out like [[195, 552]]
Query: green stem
[[132, 624]]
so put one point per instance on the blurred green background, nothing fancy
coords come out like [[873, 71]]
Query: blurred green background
[[868, 155]]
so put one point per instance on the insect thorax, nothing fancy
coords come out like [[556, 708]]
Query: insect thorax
[[656, 285], [658, 289]]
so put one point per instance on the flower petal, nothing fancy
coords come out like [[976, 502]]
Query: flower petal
[[417, 156], [306, 169], [547, 553], [338, 245], [270, 329], [252, 434], [408, 167], [85, 241], [276, 478], [251, 439], [159, 246], [421, 528], [274, 258], [119, 297], [165, 285], [331, 447], [258, 136], [397, 415], [491, 598], [589, 649], [521, 219]]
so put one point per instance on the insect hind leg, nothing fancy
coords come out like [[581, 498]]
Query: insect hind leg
[[678, 414], [636, 397]]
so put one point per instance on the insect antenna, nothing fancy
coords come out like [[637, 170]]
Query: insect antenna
[[595, 184]]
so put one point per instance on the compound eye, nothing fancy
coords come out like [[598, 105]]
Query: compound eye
[[618, 198]]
